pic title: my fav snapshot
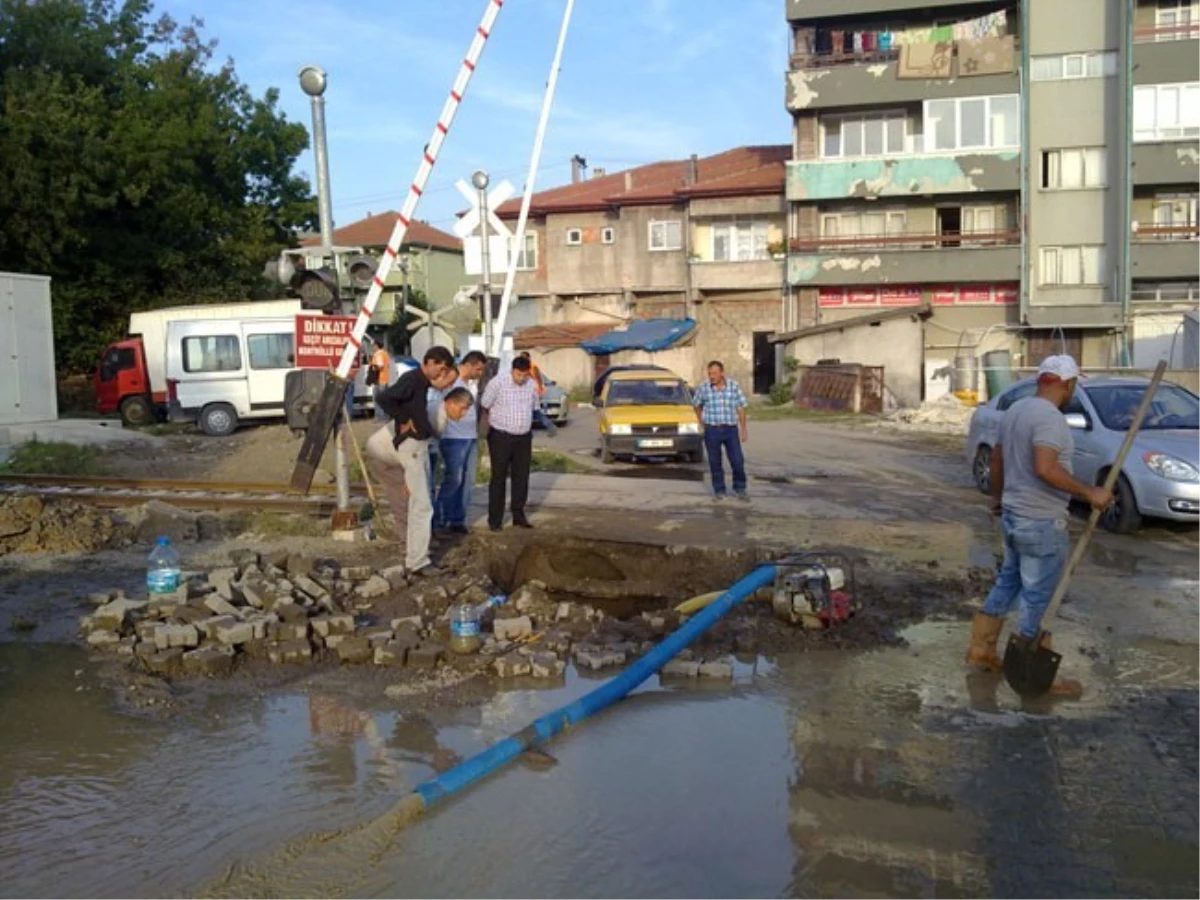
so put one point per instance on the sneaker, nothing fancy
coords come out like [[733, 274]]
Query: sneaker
[[743, 496], [717, 498], [522, 522], [426, 571], [495, 527]]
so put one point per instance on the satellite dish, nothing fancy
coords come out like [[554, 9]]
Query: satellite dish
[[361, 270]]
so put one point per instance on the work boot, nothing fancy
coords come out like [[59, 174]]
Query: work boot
[[1063, 688], [985, 632]]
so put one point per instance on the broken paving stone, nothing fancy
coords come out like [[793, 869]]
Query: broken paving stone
[[260, 622], [376, 634], [116, 613], [232, 632], [310, 588], [473, 595], [101, 597], [253, 592], [244, 559], [509, 629], [290, 612], [374, 586], [563, 612], [328, 625], [595, 658], [393, 654], [332, 641], [426, 655], [557, 641], [219, 606], [527, 597], [172, 636], [190, 615], [290, 652], [127, 646], [547, 665], [164, 662], [287, 632], [681, 668], [357, 573], [717, 668], [395, 575], [276, 558], [298, 564], [222, 580], [103, 638], [512, 665], [208, 662], [355, 649], [407, 629]]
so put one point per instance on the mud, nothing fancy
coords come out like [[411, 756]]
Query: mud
[[29, 524]]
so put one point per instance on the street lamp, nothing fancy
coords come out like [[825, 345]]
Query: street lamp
[[480, 180]]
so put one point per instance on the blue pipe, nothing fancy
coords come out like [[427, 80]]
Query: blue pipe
[[543, 729]]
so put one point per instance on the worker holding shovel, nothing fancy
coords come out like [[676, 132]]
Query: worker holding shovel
[[1032, 483]]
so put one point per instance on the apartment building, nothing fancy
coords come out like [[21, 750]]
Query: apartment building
[[1028, 171], [700, 238]]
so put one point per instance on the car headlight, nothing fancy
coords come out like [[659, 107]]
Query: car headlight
[[1169, 467], [689, 428], [620, 429]]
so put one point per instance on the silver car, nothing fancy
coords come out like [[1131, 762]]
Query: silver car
[[1161, 477], [555, 403]]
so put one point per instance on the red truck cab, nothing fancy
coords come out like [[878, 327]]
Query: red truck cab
[[122, 383]]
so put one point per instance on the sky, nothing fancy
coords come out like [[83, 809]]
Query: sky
[[642, 80]]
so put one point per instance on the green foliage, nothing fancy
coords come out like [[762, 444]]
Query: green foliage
[[399, 338], [133, 170], [781, 392], [53, 458]]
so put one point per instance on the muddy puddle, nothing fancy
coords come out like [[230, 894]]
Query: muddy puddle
[[880, 773]]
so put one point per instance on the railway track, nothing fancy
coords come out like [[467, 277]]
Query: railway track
[[213, 496]]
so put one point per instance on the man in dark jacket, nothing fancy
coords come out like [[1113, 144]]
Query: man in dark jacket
[[400, 450]]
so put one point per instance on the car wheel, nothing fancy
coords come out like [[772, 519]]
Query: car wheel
[[136, 412], [606, 455], [1122, 516], [982, 468], [218, 420]]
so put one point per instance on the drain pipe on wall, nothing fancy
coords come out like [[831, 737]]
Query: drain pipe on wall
[[481, 765]]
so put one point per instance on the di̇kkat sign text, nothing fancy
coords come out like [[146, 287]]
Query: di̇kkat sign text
[[321, 339]]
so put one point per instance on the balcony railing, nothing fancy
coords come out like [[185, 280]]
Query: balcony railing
[[1166, 232], [906, 241], [1184, 31], [825, 58]]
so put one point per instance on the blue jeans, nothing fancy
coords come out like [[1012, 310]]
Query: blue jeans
[[1035, 553], [450, 509], [716, 437]]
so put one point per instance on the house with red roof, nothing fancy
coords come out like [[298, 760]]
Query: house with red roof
[[700, 238]]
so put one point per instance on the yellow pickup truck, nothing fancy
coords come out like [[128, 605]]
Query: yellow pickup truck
[[648, 413]]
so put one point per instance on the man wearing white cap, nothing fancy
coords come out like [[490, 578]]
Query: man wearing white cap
[[1031, 487]]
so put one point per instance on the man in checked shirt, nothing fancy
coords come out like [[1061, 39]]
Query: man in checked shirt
[[721, 406], [510, 401]]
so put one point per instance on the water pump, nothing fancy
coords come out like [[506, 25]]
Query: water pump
[[811, 590]]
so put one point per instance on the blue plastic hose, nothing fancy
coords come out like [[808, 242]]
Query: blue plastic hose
[[543, 729]]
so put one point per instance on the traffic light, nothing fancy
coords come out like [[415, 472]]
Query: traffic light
[[317, 288]]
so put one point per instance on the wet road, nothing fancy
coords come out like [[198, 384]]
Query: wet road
[[884, 773]]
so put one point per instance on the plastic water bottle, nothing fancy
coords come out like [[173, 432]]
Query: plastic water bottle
[[163, 573], [465, 633]]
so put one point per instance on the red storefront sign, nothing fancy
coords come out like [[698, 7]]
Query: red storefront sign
[[900, 296], [1008, 295], [975, 293], [320, 340], [859, 297], [831, 297], [945, 296]]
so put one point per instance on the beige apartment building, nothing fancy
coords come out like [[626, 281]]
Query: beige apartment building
[[702, 238], [1025, 175]]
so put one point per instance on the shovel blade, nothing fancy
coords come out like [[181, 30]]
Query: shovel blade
[[1029, 669]]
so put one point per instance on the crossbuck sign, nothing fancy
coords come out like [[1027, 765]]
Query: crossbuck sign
[[499, 235]]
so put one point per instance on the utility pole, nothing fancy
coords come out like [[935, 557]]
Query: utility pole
[[480, 180], [313, 82], [406, 349]]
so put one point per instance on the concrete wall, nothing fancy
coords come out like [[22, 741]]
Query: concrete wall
[[819, 9], [851, 85], [726, 326], [762, 273], [903, 176], [642, 268], [1071, 26], [28, 385], [1166, 260], [1165, 62], [1166, 163], [589, 266], [957, 264], [895, 344]]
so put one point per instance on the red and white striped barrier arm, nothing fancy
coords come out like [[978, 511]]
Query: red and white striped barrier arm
[[354, 342]]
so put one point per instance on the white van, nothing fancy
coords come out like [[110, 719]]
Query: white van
[[223, 371]]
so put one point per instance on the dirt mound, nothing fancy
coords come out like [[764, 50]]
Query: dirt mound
[[946, 415], [29, 524]]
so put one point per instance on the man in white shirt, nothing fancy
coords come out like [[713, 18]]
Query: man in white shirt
[[510, 401], [459, 448]]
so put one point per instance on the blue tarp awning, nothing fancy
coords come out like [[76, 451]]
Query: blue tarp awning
[[644, 334]]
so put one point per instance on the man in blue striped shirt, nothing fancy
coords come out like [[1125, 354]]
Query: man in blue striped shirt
[[722, 410]]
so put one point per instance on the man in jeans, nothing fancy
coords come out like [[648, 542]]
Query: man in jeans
[[1031, 487], [400, 453], [722, 410], [459, 447], [510, 401]]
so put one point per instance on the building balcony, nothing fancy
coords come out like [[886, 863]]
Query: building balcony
[[906, 259], [1165, 253], [1166, 163], [873, 77], [801, 10], [1073, 307], [757, 274], [911, 176], [1166, 55]]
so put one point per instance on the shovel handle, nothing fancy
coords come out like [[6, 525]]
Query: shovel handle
[[1064, 580]]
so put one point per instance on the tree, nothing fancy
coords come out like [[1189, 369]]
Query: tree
[[134, 171]]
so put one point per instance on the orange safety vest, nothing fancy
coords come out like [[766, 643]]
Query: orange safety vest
[[537, 377], [382, 361]]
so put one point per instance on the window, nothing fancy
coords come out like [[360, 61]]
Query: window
[[1166, 112], [1073, 65], [1076, 167], [871, 135], [574, 237], [118, 359], [978, 219], [859, 227], [218, 353], [1017, 392], [1176, 19], [608, 235], [270, 351], [666, 235], [973, 123], [1062, 266], [739, 240], [527, 258]]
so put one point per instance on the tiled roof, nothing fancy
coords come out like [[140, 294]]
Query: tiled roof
[[744, 170], [374, 231], [547, 336]]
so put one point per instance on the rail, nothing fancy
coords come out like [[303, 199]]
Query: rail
[[907, 241], [1183, 31], [211, 496], [1166, 232]]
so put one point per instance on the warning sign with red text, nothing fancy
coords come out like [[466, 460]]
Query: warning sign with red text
[[321, 339]]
